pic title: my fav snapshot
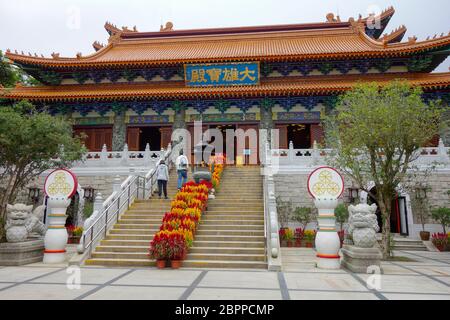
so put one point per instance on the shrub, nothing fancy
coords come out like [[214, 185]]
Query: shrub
[[441, 215], [303, 216]]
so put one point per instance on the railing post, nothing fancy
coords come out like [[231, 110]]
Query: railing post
[[125, 155], [104, 154], [291, 152], [315, 153], [147, 153], [442, 152]]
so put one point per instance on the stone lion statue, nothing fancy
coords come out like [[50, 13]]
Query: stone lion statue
[[363, 225], [21, 221]]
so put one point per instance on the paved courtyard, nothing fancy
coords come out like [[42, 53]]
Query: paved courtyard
[[427, 277]]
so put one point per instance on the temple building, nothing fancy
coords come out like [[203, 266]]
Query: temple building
[[131, 94], [141, 86]]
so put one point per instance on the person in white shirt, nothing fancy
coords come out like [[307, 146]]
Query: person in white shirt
[[182, 165], [162, 175]]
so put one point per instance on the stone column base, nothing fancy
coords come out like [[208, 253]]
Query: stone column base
[[358, 259], [18, 254]]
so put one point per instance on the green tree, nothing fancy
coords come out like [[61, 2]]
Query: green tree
[[303, 215], [32, 142], [341, 213], [376, 134], [441, 215]]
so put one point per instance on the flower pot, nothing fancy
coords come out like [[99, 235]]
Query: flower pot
[[309, 244], [441, 247], [175, 264], [298, 243], [425, 235], [73, 240], [160, 264], [289, 244]]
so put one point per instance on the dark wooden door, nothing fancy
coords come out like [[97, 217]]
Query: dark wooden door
[[166, 136], [95, 138], [317, 134], [282, 136], [133, 139]]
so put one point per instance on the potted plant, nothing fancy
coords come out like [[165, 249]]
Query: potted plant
[[289, 234], [178, 248], [284, 209], [310, 235], [74, 234], [441, 215], [421, 211], [303, 216], [282, 235], [440, 240], [341, 214], [159, 249], [299, 234]]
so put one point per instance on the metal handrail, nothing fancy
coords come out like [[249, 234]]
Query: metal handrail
[[116, 200]]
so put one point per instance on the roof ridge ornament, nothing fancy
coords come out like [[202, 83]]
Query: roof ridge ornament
[[168, 27], [97, 45], [331, 19], [55, 55]]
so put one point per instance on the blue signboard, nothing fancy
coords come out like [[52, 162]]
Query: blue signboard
[[222, 74]]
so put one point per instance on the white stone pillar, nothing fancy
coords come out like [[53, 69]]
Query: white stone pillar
[[60, 185], [326, 185], [328, 243], [55, 239]]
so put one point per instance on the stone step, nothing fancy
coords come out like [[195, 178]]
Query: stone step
[[142, 226], [231, 222], [121, 262], [230, 238], [142, 216], [116, 230], [231, 227], [225, 216], [224, 264], [241, 202], [139, 249], [228, 244], [225, 257], [121, 255], [137, 221], [228, 250], [229, 233], [234, 211], [129, 237], [116, 243], [407, 247]]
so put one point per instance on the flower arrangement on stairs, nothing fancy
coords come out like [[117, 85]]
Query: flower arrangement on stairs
[[178, 227]]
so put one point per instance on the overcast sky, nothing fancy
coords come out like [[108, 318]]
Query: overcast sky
[[71, 26]]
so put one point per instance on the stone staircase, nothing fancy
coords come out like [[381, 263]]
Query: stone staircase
[[231, 233], [402, 243], [405, 243], [127, 243]]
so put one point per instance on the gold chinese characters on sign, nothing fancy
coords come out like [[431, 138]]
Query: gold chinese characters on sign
[[222, 74]]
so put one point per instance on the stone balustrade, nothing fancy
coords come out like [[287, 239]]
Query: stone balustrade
[[439, 155]]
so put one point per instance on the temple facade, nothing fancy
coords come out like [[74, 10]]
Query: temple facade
[[141, 86]]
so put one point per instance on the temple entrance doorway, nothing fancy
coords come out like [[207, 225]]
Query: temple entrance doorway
[[228, 148], [157, 136], [300, 135], [399, 214], [150, 135]]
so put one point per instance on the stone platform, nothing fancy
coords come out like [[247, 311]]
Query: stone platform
[[17, 254], [359, 259]]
